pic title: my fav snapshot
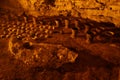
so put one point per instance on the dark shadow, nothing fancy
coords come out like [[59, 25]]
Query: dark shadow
[[84, 61]]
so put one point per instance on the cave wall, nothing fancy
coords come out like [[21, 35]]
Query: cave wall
[[12, 5], [99, 10]]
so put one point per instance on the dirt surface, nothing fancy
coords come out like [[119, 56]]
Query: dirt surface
[[95, 60]]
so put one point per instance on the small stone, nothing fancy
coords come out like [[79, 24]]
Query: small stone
[[88, 37], [22, 27], [43, 26], [21, 31], [86, 29], [35, 37], [23, 24], [34, 20], [50, 32], [8, 26], [73, 34], [57, 23], [49, 27], [18, 23], [9, 29], [4, 32], [13, 30], [7, 36], [66, 23], [113, 45], [18, 36], [14, 26], [53, 27], [30, 25], [41, 35], [25, 19], [46, 36], [46, 31], [2, 25]]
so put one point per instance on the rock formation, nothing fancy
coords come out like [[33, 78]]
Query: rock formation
[[42, 54], [99, 10]]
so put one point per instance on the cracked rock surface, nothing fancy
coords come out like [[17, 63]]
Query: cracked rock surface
[[99, 10], [58, 57], [41, 54]]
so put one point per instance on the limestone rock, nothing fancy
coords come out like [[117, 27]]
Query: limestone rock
[[42, 54], [99, 10]]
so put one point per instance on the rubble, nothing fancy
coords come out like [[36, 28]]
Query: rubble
[[99, 10], [41, 54], [56, 48]]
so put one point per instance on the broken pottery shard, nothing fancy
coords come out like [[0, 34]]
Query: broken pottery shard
[[42, 54]]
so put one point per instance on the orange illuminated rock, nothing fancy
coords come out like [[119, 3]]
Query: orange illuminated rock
[[41, 54]]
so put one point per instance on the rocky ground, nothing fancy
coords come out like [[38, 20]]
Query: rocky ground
[[59, 56]]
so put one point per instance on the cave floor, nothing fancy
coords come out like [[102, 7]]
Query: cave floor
[[96, 61]]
